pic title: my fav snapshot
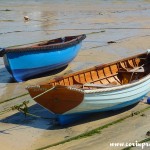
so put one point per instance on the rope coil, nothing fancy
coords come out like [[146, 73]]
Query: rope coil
[[73, 42]]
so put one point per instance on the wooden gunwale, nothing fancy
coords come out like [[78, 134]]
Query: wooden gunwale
[[96, 68], [38, 47]]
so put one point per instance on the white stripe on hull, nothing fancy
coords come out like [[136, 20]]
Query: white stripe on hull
[[104, 99]]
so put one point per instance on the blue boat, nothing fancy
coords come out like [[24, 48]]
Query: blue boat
[[26, 61]]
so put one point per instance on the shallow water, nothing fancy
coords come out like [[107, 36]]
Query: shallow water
[[124, 21], [101, 20], [50, 19]]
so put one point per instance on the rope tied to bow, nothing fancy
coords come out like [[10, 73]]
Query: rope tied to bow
[[24, 109], [21, 107]]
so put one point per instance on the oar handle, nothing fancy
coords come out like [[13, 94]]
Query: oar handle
[[2, 52]]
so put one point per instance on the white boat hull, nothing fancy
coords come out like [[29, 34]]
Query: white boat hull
[[121, 96]]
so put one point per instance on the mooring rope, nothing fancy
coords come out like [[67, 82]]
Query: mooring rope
[[24, 108], [43, 93], [19, 107]]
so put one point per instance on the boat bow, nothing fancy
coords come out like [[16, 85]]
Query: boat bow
[[57, 99]]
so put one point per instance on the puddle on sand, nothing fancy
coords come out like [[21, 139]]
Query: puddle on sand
[[11, 90], [52, 19]]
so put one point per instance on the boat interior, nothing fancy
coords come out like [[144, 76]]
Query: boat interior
[[57, 41], [45, 43], [103, 76]]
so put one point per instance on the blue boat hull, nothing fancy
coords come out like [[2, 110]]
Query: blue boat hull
[[24, 65]]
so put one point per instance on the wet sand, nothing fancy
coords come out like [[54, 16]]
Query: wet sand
[[125, 22]]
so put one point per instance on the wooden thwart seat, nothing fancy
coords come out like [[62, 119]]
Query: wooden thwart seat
[[133, 71], [99, 85], [137, 69], [130, 75]]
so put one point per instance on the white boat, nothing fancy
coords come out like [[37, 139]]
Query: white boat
[[101, 88]]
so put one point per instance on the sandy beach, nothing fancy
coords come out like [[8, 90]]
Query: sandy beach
[[123, 21]]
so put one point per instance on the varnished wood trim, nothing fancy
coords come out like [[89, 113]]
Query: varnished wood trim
[[59, 100]]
